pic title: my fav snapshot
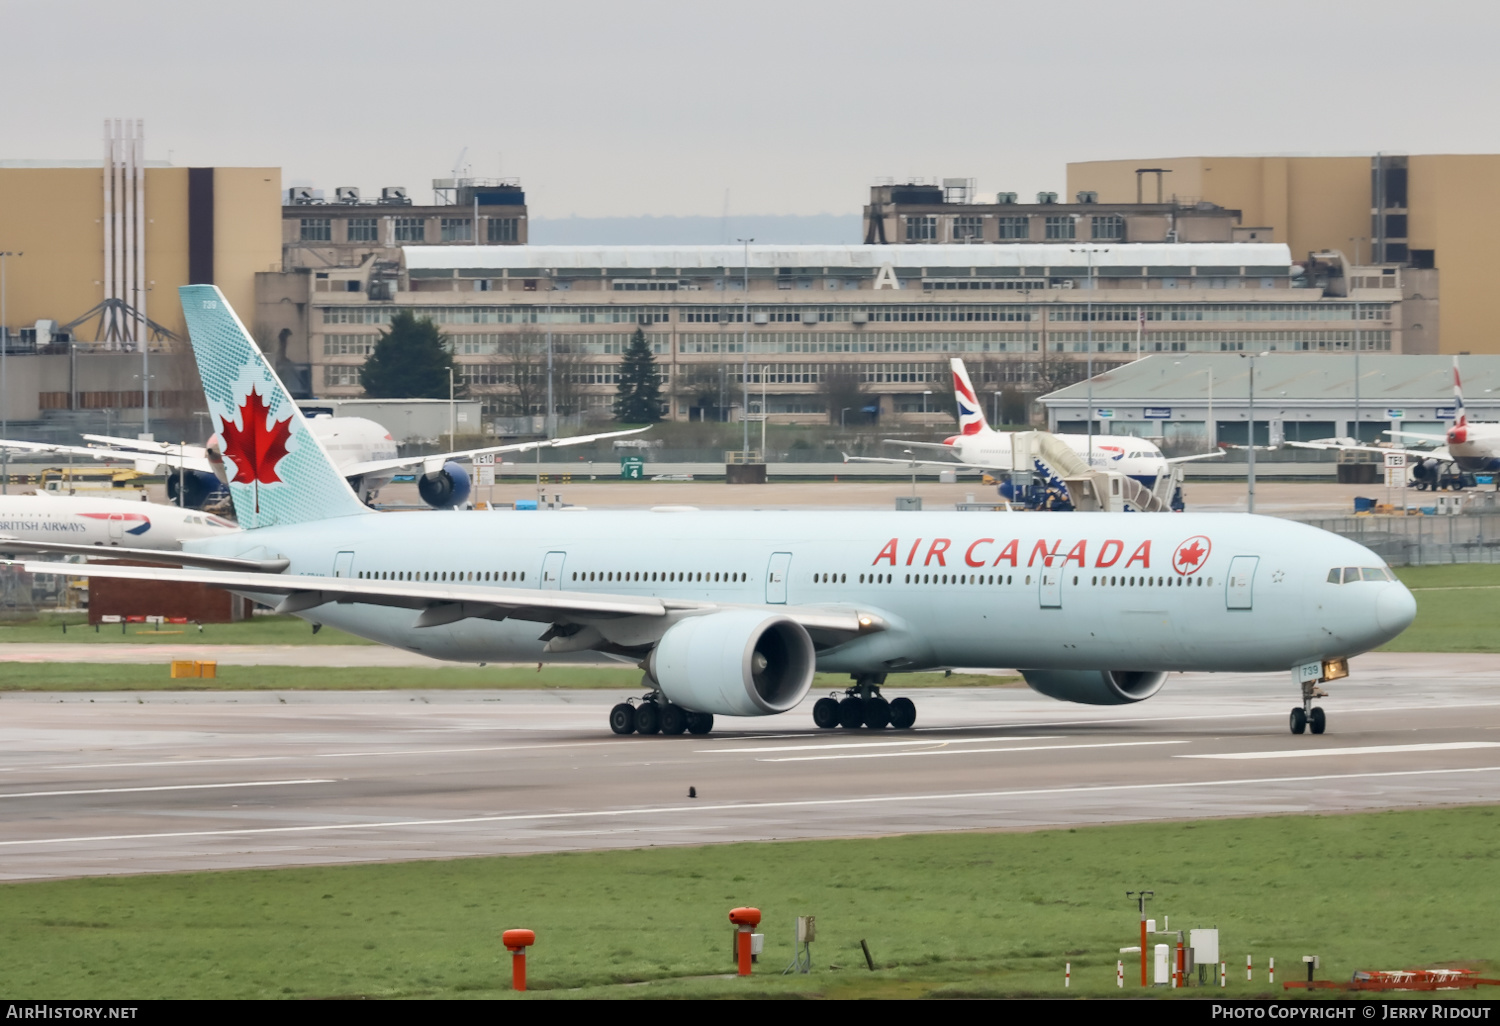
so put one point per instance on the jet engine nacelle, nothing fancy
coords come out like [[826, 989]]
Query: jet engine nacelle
[[447, 488], [1096, 687], [198, 487], [1426, 471], [739, 662]]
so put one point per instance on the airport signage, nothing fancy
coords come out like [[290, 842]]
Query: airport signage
[[1157, 413], [1104, 414], [1395, 414], [1395, 460], [1445, 413]]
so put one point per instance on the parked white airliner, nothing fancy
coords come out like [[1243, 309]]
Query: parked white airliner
[[731, 613], [977, 446], [75, 523], [363, 450]]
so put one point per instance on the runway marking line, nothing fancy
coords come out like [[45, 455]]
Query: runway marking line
[[698, 809], [884, 744], [1302, 753], [944, 750], [164, 787]]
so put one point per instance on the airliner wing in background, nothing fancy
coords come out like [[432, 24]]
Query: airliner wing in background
[[1216, 454], [936, 446], [571, 613], [48, 449], [1416, 434], [432, 464], [1440, 453], [16, 546], [942, 464]]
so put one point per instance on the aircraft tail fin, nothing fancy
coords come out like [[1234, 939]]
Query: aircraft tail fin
[[1459, 432], [970, 410], [279, 473]]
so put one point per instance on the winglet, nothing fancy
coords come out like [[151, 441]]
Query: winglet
[[279, 472]]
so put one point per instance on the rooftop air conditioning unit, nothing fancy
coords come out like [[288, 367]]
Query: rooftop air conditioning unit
[[1005, 197], [347, 194], [299, 194], [1046, 197], [761, 318], [810, 317], [394, 194], [1088, 197], [859, 317]]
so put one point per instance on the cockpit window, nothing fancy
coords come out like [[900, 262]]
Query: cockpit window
[[1350, 574]]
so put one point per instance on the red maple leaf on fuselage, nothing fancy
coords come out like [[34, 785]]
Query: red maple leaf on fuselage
[[256, 448], [1190, 556]]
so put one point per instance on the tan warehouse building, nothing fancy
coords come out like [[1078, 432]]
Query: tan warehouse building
[[1418, 212]]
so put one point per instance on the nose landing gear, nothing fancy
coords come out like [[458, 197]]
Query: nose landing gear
[[863, 706], [1308, 715]]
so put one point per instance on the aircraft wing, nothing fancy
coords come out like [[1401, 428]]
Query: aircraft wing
[[938, 446], [1216, 454], [432, 464], [1416, 434], [941, 464], [269, 566], [443, 603], [45, 448], [1441, 453]]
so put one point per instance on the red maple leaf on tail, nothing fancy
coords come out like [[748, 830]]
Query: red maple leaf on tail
[[255, 448]]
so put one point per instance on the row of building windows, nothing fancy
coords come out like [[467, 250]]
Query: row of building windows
[[1059, 227], [902, 313], [582, 343], [408, 229]]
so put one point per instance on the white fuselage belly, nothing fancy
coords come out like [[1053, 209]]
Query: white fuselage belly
[[1117, 610]]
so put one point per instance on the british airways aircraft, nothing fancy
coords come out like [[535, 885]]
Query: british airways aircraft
[[977, 446], [82, 524], [731, 613]]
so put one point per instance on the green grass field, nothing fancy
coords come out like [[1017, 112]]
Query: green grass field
[[944, 915], [259, 630], [155, 677], [1457, 609]]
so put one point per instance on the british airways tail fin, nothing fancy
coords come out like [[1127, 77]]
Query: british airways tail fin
[[278, 471], [970, 410]]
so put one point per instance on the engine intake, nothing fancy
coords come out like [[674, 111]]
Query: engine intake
[[447, 488], [1096, 687], [739, 662], [197, 487]]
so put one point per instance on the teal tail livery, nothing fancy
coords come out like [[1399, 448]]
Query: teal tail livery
[[279, 473]]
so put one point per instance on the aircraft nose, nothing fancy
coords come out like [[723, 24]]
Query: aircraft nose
[[1395, 609]]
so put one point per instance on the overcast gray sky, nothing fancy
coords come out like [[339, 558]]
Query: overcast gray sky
[[793, 106]]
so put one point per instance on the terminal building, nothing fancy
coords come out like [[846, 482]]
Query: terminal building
[[1194, 402], [835, 333]]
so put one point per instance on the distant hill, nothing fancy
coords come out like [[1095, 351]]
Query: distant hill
[[787, 229]]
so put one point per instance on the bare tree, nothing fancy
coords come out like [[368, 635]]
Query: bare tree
[[842, 386]]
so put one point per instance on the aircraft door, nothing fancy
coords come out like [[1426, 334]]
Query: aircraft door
[[116, 526], [1049, 592], [1238, 588], [343, 564], [552, 571], [776, 573]]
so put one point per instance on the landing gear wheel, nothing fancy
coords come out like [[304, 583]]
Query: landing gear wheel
[[1316, 720], [852, 713], [673, 719], [700, 723], [622, 718], [903, 713], [1299, 720], [648, 718], [826, 713], [877, 713]]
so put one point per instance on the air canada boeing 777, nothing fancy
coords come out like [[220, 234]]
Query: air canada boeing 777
[[731, 613]]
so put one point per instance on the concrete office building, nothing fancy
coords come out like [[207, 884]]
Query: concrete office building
[[1428, 215], [886, 317]]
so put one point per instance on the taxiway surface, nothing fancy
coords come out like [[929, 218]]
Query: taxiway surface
[[141, 782]]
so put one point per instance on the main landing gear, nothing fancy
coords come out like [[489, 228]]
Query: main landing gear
[[653, 714], [1308, 715], [862, 706]]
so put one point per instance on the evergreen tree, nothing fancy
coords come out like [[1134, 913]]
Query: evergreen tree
[[411, 361], [639, 393]]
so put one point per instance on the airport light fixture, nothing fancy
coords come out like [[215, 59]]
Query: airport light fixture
[[1250, 437], [845, 410], [1211, 425], [4, 345], [745, 346], [1089, 252]]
